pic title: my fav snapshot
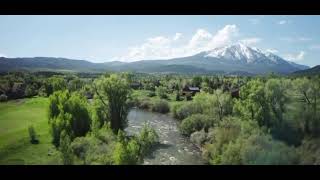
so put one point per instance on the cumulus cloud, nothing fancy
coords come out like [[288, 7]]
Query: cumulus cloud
[[162, 47], [177, 36], [250, 41], [295, 57]]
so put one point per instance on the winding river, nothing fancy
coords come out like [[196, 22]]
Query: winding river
[[174, 149]]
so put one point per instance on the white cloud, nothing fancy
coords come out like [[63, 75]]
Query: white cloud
[[3, 55], [272, 51], [315, 47], [161, 47], [295, 57], [177, 36], [282, 22], [250, 41]]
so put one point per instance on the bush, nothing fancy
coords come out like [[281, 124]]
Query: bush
[[161, 92], [195, 123], [309, 152], [3, 98], [33, 135], [65, 149], [145, 104], [198, 137], [151, 94], [147, 138], [127, 151], [160, 106], [234, 141], [186, 110], [30, 91]]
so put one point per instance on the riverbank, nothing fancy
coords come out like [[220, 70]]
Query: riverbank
[[174, 149]]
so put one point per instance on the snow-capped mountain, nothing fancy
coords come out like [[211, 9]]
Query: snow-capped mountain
[[237, 58], [236, 52]]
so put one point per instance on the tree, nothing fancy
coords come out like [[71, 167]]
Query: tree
[[65, 149], [33, 135], [162, 92], [196, 81], [147, 138], [115, 90], [68, 112], [252, 104], [276, 96], [218, 104], [306, 109], [196, 122], [75, 84]]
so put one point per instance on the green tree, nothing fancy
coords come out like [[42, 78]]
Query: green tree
[[196, 81], [276, 96], [252, 104], [68, 112], [162, 92], [65, 149], [115, 90], [306, 109]]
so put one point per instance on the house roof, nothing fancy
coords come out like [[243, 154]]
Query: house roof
[[194, 88]]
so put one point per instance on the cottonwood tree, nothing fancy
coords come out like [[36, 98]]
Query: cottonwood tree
[[308, 95], [113, 93], [252, 104]]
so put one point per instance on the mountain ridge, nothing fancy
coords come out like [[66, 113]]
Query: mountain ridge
[[228, 59]]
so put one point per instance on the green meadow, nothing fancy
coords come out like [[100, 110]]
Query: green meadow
[[15, 147]]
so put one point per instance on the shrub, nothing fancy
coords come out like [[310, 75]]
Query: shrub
[[161, 92], [3, 98], [65, 149], [151, 94], [198, 137], [33, 135], [195, 123], [309, 152], [178, 96], [147, 138], [30, 91], [160, 106], [234, 141], [127, 151], [145, 104], [186, 110]]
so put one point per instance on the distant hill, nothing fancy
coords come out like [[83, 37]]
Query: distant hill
[[312, 71], [47, 63], [236, 59]]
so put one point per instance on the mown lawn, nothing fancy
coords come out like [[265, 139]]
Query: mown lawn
[[15, 147]]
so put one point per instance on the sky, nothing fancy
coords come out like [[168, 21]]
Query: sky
[[130, 38]]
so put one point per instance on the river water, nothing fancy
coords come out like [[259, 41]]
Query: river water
[[174, 149]]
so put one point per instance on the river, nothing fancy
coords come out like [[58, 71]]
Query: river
[[174, 149]]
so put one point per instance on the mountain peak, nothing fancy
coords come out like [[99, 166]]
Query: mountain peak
[[236, 52]]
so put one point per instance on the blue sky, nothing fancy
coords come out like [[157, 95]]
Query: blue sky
[[129, 38]]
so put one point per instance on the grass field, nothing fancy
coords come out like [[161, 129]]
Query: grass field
[[15, 146]]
